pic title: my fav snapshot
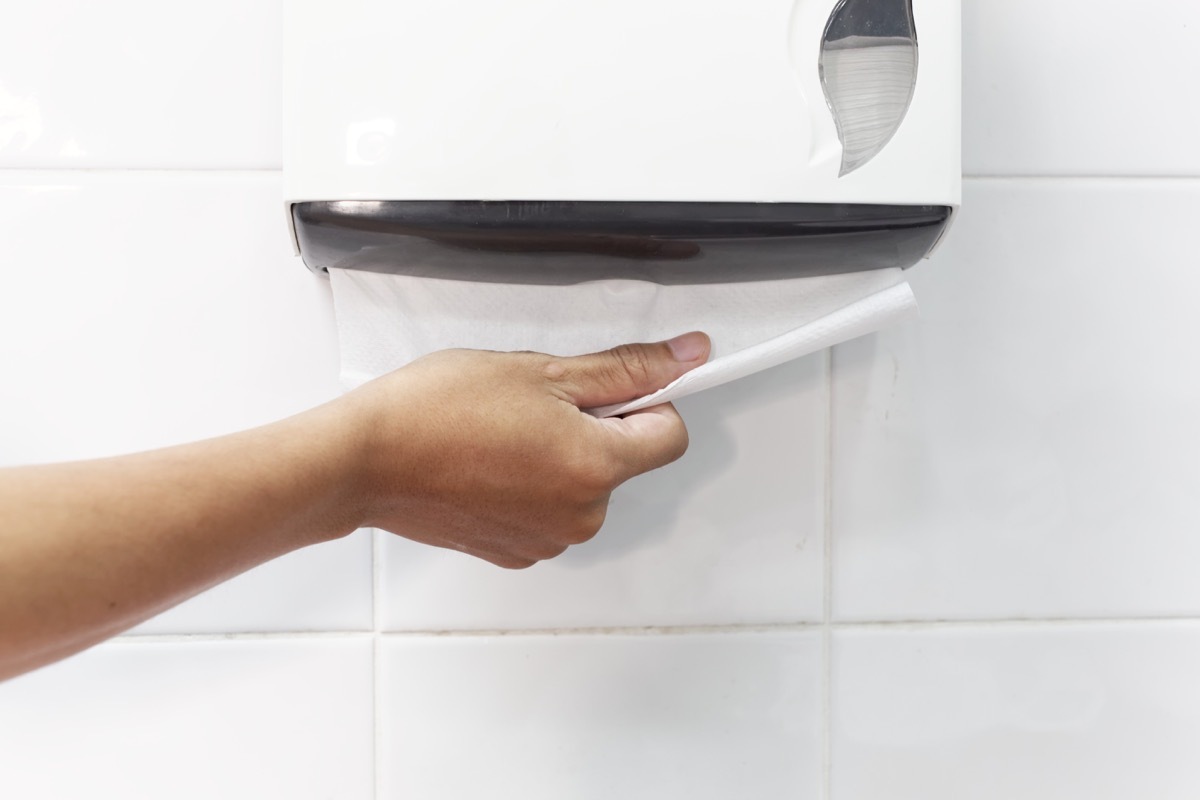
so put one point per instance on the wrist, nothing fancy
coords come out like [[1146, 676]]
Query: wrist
[[384, 429], [333, 466]]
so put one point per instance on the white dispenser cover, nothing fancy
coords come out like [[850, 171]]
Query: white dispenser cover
[[625, 100]]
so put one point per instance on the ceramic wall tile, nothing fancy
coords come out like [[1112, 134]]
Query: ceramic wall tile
[[140, 311], [1030, 447], [732, 533], [706, 716], [136, 83], [1080, 87], [1091, 712], [1069, 88], [232, 719]]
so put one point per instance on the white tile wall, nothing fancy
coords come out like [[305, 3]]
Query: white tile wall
[[138, 84], [1080, 87], [1097, 712], [246, 719], [1026, 452], [145, 309], [731, 534], [141, 310], [544, 718], [1030, 447]]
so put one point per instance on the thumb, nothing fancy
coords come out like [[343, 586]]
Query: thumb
[[629, 371]]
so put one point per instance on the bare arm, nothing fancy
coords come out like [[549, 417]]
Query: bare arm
[[487, 453]]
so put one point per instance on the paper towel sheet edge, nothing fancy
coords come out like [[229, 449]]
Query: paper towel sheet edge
[[849, 322]]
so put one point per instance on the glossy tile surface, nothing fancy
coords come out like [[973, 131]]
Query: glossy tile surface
[[136, 83], [140, 311], [601, 717], [1027, 449], [239, 719], [145, 310], [1092, 712], [1030, 447], [732, 533], [1080, 87]]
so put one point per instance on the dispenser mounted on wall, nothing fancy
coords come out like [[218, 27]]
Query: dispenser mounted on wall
[[679, 141]]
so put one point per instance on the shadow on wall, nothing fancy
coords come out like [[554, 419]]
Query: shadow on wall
[[646, 509]]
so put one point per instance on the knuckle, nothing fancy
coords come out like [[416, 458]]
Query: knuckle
[[589, 524], [456, 356], [634, 362], [591, 471], [673, 442], [597, 479], [678, 444], [554, 370], [513, 562], [553, 550]]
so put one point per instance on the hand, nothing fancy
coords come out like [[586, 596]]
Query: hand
[[490, 454]]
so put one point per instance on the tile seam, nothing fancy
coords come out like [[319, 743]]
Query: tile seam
[[1013, 622], [645, 630], [827, 591], [376, 658], [10, 171], [1148, 177], [142, 170], [796, 627], [664, 630], [241, 636]]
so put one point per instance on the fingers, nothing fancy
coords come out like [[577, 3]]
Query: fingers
[[508, 557], [629, 371], [520, 547], [506, 561], [646, 440], [499, 556]]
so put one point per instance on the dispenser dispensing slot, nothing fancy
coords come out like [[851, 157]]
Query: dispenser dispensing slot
[[571, 242]]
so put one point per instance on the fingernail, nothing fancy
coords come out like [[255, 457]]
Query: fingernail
[[688, 347]]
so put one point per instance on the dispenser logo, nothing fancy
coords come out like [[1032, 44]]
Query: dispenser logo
[[369, 142]]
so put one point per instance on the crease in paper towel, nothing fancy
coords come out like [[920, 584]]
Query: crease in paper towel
[[385, 321]]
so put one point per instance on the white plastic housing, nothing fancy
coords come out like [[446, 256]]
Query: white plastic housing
[[626, 100]]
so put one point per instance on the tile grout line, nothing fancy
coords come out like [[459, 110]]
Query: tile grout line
[[376, 657], [1013, 622], [827, 591], [142, 171], [1002, 623], [645, 630], [253, 636], [1034, 177], [216, 172]]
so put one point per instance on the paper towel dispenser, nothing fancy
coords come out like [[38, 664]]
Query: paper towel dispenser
[[671, 140]]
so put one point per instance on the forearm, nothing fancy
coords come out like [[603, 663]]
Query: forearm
[[92, 548], [485, 453]]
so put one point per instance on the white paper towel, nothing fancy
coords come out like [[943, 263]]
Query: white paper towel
[[385, 321]]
